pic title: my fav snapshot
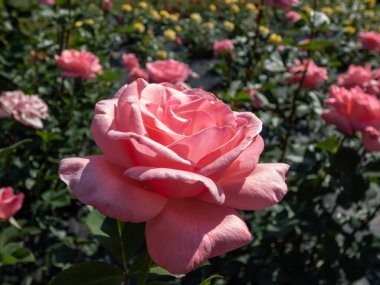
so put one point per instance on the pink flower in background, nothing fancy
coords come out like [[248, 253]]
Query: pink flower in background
[[361, 76], [182, 161], [9, 203], [107, 5], [371, 138], [223, 46], [169, 70], [78, 64], [314, 76], [130, 61], [293, 16], [137, 73], [47, 2], [282, 4], [29, 110], [352, 109], [370, 40], [256, 102], [178, 40]]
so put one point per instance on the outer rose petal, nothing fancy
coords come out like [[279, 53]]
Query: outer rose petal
[[332, 117], [9, 203], [263, 188], [176, 183], [371, 139], [97, 182], [188, 232]]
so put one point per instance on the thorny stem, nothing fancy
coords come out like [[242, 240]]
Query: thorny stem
[[120, 227]]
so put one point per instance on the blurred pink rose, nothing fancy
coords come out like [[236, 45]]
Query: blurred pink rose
[[9, 203], [47, 2], [361, 76], [371, 138], [169, 70], [130, 61], [314, 76], [29, 110], [107, 5], [282, 4], [256, 102], [293, 16], [180, 160], [78, 64], [223, 46], [370, 40], [137, 73], [178, 40], [352, 109]]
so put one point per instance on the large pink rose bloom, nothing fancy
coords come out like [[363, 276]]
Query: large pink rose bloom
[[282, 4], [361, 76], [352, 109], [78, 64], [29, 110], [9, 203], [170, 70], [130, 61], [314, 76], [370, 41], [182, 161], [223, 46]]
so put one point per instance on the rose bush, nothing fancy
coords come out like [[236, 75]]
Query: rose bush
[[181, 161]]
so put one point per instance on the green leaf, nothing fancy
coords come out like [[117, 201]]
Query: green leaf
[[106, 231], [208, 280], [160, 271], [4, 152], [329, 144], [316, 45], [15, 252], [90, 273]]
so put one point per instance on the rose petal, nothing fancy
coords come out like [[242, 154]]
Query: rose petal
[[97, 182], [175, 183], [332, 117], [188, 232]]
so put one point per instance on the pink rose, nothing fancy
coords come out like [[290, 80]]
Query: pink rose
[[130, 61], [137, 73], [352, 109], [107, 5], [47, 2], [314, 76], [223, 46], [9, 203], [180, 160], [170, 70], [371, 138], [370, 40], [29, 110], [282, 4], [256, 102], [293, 16], [361, 76], [78, 64]]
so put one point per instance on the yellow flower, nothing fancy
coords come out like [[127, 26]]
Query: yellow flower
[[143, 5], [230, 1], [139, 27], [161, 54], [170, 34], [78, 24], [196, 18], [212, 7], [251, 7], [275, 39], [155, 15], [234, 8], [174, 17], [327, 10], [165, 14], [369, 14], [370, 2], [209, 25], [308, 9], [337, 9], [229, 26], [350, 30], [178, 28], [126, 8], [90, 22], [264, 30], [150, 33]]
